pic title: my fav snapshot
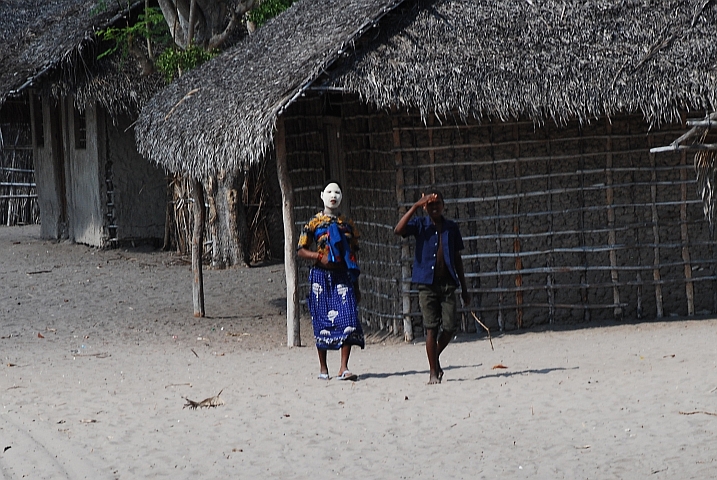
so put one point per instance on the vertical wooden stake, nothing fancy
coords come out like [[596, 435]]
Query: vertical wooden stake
[[198, 248], [656, 234], [689, 286], [516, 232], [550, 263], [583, 240], [293, 326], [499, 260], [617, 311], [636, 234], [431, 152], [405, 249], [382, 322]]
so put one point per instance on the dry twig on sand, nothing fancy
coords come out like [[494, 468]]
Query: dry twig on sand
[[486, 329], [698, 411], [214, 401]]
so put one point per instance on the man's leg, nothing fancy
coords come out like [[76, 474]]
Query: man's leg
[[432, 352], [448, 321], [443, 340]]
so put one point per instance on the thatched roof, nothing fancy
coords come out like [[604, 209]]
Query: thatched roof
[[53, 43], [223, 113], [542, 59], [514, 58]]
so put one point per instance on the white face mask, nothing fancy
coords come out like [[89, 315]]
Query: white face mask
[[331, 196]]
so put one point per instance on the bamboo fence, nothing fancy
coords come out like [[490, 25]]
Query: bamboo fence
[[18, 192], [560, 224]]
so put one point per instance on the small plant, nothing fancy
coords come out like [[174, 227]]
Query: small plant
[[173, 61], [150, 25], [267, 10]]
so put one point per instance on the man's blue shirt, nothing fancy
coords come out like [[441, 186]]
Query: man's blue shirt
[[424, 261]]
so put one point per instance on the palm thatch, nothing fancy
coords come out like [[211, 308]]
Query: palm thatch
[[42, 39], [517, 58], [222, 114], [541, 59]]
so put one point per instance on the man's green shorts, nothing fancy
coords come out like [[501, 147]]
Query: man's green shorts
[[438, 306]]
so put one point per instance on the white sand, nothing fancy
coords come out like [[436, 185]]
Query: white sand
[[101, 395]]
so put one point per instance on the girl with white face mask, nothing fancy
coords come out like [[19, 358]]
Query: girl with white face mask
[[334, 295], [331, 196]]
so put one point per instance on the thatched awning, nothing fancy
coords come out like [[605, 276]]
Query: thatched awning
[[222, 114], [542, 59], [55, 41], [515, 58]]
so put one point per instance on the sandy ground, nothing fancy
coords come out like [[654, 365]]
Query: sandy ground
[[99, 350]]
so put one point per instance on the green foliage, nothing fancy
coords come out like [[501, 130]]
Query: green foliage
[[174, 61], [267, 10], [150, 24]]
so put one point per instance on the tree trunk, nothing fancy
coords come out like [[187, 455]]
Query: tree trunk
[[198, 248], [213, 21], [227, 221]]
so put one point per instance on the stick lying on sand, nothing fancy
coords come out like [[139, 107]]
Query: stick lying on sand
[[214, 401], [486, 329]]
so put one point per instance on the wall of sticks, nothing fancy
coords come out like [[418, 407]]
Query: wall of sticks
[[561, 224], [18, 194]]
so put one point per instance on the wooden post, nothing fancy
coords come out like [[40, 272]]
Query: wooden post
[[516, 231], [656, 235], [431, 151], [636, 235], [550, 263], [198, 248], [473, 281], [496, 223], [382, 322], [617, 311], [293, 326], [689, 286], [583, 240], [405, 249]]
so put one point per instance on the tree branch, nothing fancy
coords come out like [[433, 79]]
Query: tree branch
[[241, 9]]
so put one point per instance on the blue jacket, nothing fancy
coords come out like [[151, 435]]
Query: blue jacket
[[424, 261]]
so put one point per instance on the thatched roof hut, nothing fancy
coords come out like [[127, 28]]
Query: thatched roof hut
[[433, 91], [545, 60], [92, 185], [55, 43], [222, 114]]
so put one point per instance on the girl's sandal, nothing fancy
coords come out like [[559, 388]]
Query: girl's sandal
[[348, 376]]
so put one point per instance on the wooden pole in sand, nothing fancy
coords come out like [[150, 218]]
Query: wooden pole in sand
[[405, 249], [293, 326], [656, 276], [612, 239], [684, 236], [198, 248]]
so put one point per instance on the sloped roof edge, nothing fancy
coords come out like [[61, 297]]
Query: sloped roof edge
[[222, 115]]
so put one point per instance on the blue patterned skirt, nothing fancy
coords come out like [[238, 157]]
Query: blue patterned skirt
[[333, 308]]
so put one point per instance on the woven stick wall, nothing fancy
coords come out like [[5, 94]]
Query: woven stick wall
[[18, 193], [262, 218], [561, 225]]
